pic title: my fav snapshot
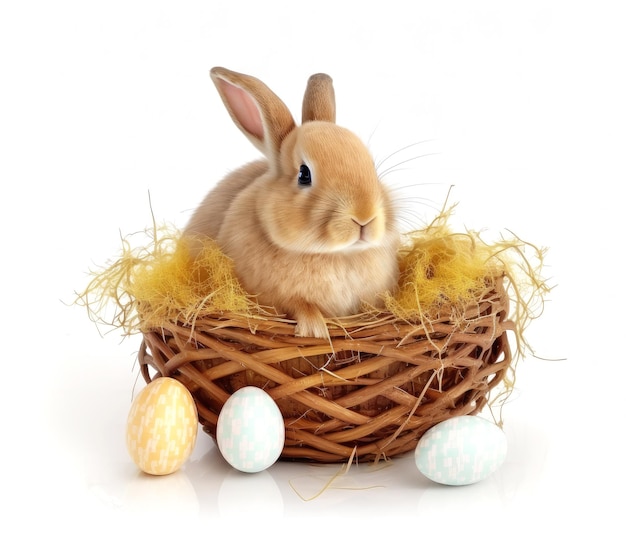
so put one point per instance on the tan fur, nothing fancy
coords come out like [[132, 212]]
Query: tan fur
[[319, 99], [310, 252]]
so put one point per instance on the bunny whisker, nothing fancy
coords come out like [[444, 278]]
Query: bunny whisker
[[402, 149], [394, 168]]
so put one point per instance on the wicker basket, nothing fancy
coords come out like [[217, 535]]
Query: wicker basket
[[373, 390]]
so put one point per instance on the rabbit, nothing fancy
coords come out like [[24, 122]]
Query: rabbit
[[311, 229]]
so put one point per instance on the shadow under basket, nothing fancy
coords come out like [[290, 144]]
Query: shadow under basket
[[370, 393]]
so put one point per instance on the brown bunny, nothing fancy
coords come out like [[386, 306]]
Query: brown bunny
[[311, 229]]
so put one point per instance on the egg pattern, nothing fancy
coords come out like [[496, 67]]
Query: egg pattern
[[461, 450], [250, 430], [162, 427]]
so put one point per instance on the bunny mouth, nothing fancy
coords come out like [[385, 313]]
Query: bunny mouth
[[362, 239], [359, 245]]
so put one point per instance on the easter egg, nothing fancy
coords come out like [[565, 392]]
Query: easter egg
[[162, 426], [250, 431], [461, 450]]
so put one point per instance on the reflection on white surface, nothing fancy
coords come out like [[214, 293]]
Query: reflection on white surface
[[207, 486], [143, 494], [258, 493]]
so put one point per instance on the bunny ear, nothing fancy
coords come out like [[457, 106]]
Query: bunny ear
[[256, 110], [319, 99]]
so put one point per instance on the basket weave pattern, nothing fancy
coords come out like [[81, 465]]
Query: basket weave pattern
[[376, 387]]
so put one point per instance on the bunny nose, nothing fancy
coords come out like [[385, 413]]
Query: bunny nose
[[362, 224]]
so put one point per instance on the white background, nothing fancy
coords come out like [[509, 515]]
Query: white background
[[519, 106]]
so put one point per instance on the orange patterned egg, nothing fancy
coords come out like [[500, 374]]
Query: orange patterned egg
[[162, 427]]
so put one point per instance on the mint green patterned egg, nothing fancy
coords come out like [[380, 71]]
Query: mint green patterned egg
[[461, 450], [250, 430]]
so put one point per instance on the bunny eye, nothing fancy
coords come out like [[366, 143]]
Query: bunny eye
[[304, 176]]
